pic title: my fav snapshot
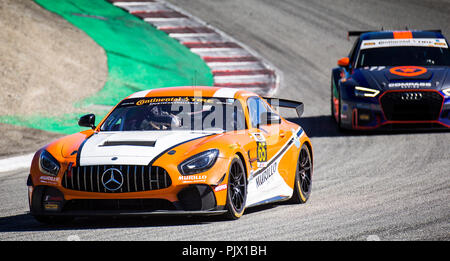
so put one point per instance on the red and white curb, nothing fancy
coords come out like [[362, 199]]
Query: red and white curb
[[233, 64]]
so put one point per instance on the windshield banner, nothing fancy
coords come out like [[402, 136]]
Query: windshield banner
[[418, 42]]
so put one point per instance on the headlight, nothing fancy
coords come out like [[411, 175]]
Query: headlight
[[199, 163], [48, 164], [446, 92], [365, 92]]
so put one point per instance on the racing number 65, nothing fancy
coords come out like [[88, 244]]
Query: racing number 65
[[262, 151]]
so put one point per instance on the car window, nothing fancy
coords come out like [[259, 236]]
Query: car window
[[176, 113], [408, 55], [352, 53], [256, 107]]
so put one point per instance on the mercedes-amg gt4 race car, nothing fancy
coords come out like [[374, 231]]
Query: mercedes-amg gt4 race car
[[393, 80], [179, 150]]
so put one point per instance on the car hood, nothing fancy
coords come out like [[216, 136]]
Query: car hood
[[132, 147], [384, 78]]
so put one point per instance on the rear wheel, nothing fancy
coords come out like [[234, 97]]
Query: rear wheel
[[303, 175], [237, 189]]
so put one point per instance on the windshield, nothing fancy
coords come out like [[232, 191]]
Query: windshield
[[399, 56], [176, 113]]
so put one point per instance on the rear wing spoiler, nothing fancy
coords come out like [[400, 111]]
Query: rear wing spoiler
[[358, 33], [283, 103]]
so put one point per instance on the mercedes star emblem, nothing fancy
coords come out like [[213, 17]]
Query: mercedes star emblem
[[112, 179]]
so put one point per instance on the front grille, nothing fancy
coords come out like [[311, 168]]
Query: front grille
[[134, 178], [411, 106]]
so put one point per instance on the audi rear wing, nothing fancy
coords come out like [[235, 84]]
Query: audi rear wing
[[357, 33], [283, 103]]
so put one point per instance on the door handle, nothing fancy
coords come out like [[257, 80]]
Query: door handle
[[282, 134]]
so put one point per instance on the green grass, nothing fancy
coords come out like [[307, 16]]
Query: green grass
[[139, 57]]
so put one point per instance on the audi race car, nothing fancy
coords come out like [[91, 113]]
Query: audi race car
[[179, 150], [393, 80]]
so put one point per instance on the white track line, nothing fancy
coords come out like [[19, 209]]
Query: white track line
[[17, 162], [234, 66], [242, 79], [201, 39], [172, 22], [142, 7], [220, 52]]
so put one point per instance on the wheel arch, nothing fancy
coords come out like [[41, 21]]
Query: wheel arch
[[244, 163], [308, 144]]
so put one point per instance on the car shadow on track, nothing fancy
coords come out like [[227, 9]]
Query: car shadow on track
[[26, 223], [325, 126]]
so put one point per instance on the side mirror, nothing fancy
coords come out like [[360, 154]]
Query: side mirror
[[344, 62], [87, 120], [270, 118]]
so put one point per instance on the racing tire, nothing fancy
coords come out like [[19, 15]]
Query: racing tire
[[303, 177], [237, 189], [36, 209]]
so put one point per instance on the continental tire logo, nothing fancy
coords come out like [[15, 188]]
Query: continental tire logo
[[411, 96]]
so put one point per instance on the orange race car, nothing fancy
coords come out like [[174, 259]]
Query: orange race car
[[180, 150]]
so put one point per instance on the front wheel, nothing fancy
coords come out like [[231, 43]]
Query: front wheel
[[335, 108], [303, 177], [237, 189]]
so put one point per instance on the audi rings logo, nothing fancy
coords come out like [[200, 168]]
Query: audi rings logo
[[411, 96], [112, 179]]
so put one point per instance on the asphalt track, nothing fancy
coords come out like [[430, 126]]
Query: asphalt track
[[365, 185]]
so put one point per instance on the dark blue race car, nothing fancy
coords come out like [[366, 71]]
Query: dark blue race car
[[393, 79]]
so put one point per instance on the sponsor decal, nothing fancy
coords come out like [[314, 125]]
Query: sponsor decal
[[418, 42], [296, 136], [220, 187], [52, 198], [410, 85], [51, 207], [192, 178], [408, 71], [369, 44], [49, 180], [377, 68], [266, 174], [176, 100], [258, 136], [160, 100]]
